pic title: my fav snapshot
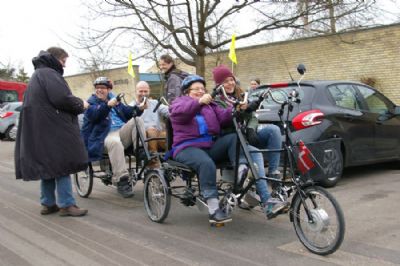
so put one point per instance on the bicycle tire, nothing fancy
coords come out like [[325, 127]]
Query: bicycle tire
[[325, 234], [157, 198], [84, 182]]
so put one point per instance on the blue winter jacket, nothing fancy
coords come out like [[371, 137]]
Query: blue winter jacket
[[97, 123]]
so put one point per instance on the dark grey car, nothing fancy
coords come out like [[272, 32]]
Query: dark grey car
[[367, 122]]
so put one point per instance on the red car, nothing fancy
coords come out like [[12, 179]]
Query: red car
[[11, 91]]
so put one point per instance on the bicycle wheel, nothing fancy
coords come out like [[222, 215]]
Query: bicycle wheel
[[157, 199], [324, 232], [84, 182]]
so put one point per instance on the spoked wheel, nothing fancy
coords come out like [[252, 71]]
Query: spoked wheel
[[157, 199], [84, 182], [323, 233]]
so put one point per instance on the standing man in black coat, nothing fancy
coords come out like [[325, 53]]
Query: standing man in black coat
[[48, 146]]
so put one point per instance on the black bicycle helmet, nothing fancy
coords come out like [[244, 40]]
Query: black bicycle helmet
[[189, 80], [103, 81]]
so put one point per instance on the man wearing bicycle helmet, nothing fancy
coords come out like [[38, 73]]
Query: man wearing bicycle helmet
[[196, 121], [109, 125]]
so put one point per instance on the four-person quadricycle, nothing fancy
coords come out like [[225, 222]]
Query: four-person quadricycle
[[316, 215]]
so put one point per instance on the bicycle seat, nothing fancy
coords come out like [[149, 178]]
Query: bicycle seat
[[179, 165]]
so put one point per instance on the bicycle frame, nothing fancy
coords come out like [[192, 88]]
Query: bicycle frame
[[287, 148]]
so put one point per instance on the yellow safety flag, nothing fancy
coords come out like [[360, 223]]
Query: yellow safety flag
[[232, 52], [130, 67]]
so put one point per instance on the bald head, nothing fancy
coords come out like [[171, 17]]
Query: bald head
[[142, 90]]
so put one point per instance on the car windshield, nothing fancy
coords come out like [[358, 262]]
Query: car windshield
[[281, 94], [8, 96]]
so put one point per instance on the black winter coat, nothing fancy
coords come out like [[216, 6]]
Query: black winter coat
[[48, 143]]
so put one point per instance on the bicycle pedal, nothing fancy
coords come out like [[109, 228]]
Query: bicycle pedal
[[272, 215], [285, 210], [217, 225]]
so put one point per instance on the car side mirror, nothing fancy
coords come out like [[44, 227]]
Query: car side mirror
[[383, 117], [301, 69], [396, 110]]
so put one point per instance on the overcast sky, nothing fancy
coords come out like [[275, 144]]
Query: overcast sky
[[28, 26]]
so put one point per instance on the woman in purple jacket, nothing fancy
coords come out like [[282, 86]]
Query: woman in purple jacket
[[197, 122]]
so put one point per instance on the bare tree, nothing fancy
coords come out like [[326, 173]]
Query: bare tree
[[190, 29], [337, 16]]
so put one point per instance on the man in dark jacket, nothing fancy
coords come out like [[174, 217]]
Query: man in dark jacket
[[173, 77], [48, 146], [110, 126]]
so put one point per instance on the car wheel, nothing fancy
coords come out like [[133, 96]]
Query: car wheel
[[333, 167], [11, 133]]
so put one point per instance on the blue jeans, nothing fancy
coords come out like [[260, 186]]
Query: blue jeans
[[271, 138], [261, 184], [63, 186], [203, 162]]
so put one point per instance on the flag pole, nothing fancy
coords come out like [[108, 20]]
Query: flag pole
[[131, 71], [232, 52]]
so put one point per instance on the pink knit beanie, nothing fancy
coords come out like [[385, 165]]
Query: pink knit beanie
[[220, 73]]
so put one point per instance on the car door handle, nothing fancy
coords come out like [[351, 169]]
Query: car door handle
[[350, 117]]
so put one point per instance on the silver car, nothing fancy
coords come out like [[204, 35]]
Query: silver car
[[9, 115]]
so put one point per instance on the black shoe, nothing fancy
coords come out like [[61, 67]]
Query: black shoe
[[49, 209], [124, 187], [219, 216]]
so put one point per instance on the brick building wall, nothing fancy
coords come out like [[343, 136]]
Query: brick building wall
[[82, 84], [358, 55]]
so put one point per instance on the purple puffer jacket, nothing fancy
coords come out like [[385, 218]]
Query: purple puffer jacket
[[183, 113]]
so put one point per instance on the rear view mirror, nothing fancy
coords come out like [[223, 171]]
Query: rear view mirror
[[397, 110], [301, 69]]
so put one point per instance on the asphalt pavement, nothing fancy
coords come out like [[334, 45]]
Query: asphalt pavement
[[117, 231]]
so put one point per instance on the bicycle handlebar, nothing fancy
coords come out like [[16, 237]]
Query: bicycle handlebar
[[293, 96], [143, 102], [120, 96], [161, 100], [221, 88]]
